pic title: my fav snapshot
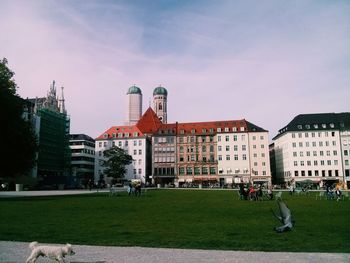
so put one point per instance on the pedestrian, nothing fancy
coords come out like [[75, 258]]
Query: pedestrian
[[338, 193]]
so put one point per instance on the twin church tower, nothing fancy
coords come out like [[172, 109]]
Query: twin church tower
[[134, 104]]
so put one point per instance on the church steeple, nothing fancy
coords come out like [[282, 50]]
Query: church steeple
[[61, 105]]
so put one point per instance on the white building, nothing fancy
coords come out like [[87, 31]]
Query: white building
[[314, 147], [133, 141], [243, 154], [133, 105]]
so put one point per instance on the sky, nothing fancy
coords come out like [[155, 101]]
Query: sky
[[264, 61]]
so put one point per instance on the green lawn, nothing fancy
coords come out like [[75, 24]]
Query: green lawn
[[177, 219]]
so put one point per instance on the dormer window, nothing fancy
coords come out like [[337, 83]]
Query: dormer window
[[136, 134], [182, 131], [193, 131], [324, 126], [331, 125], [316, 126], [307, 126], [218, 129], [300, 127], [120, 135], [105, 135], [242, 129], [114, 135], [234, 129], [126, 134], [227, 129], [204, 130]]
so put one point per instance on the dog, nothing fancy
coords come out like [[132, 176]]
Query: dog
[[53, 252]]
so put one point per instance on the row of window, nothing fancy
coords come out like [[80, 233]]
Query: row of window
[[121, 135], [314, 144], [164, 159], [235, 148], [120, 143], [312, 134], [322, 173], [315, 163], [195, 158], [197, 170], [193, 149], [92, 152], [235, 157], [164, 171], [193, 139], [314, 153], [316, 126]]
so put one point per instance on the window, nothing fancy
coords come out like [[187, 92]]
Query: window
[[189, 170], [140, 151], [244, 147], [294, 154], [294, 144], [227, 157], [295, 163], [227, 129], [204, 148], [140, 142], [314, 153], [254, 138], [227, 138], [235, 148], [212, 170], [227, 148], [218, 129], [302, 173], [135, 143], [236, 157], [181, 170], [126, 143], [211, 148], [196, 170], [307, 144], [235, 137], [346, 162], [309, 173], [135, 152], [219, 148], [120, 144], [315, 163], [204, 170], [220, 157], [296, 173], [219, 138], [316, 173], [140, 171], [301, 163], [335, 153], [244, 157]]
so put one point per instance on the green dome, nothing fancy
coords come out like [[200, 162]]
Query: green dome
[[160, 91], [134, 90]]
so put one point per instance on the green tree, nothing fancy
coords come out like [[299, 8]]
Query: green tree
[[18, 138], [116, 161]]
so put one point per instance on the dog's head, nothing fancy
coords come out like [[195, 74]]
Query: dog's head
[[69, 250]]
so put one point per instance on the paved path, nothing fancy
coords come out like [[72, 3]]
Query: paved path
[[16, 252]]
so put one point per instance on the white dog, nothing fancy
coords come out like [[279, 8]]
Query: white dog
[[54, 252]]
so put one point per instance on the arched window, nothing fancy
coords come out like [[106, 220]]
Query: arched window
[[160, 106]]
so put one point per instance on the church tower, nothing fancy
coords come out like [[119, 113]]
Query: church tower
[[160, 95], [133, 105]]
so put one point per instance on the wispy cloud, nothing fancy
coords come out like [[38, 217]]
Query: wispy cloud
[[265, 62]]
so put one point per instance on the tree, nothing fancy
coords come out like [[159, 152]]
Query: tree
[[116, 161], [17, 134]]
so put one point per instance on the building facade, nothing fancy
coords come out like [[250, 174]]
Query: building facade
[[82, 159], [52, 125], [133, 142], [313, 147]]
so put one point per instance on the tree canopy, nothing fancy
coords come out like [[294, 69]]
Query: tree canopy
[[17, 134], [116, 161]]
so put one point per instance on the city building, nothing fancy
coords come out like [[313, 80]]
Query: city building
[[82, 159], [134, 143], [52, 124], [134, 105], [205, 153], [223, 152], [314, 147]]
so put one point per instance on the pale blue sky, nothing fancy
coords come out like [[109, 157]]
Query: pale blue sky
[[265, 61]]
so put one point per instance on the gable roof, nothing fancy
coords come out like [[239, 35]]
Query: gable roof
[[149, 122], [125, 131]]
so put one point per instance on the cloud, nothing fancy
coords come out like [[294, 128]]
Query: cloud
[[229, 60]]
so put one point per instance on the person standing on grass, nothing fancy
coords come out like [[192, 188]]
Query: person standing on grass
[[338, 193]]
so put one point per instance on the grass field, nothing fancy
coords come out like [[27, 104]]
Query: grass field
[[178, 219]]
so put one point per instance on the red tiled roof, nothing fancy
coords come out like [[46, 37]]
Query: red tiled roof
[[149, 122], [199, 126], [114, 130]]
